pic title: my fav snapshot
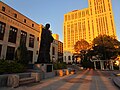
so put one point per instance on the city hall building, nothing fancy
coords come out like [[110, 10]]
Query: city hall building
[[88, 23], [15, 27]]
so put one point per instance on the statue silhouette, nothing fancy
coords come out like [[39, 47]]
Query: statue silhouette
[[46, 40]]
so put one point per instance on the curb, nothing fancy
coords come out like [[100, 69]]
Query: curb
[[116, 81]]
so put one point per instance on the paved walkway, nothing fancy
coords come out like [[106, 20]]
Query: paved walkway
[[85, 80]]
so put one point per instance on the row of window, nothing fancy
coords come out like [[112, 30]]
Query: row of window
[[15, 15], [69, 58], [76, 15], [13, 35], [11, 52], [99, 8]]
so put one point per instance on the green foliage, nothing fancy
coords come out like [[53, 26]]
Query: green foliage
[[81, 45], [57, 66], [87, 63], [10, 67], [21, 54], [106, 46]]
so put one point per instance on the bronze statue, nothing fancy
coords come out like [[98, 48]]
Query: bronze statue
[[46, 40]]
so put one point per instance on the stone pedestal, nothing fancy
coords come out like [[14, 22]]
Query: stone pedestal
[[44, 67], [45, 70]]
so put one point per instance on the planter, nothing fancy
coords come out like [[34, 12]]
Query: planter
[[60, 73], [66, 71]]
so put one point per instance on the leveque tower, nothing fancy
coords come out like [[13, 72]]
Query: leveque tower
[[88, 23]]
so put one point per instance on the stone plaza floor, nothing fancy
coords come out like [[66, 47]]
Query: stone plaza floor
[[83, 80]]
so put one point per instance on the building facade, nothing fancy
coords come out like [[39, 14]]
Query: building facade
[[54, 51], [60, 51], [14, 28], [68, 57], [59, 48], [88, 23]]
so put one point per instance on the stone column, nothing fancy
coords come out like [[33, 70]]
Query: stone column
[[5, 42], [112, 65], [102, 65], [94, 65]]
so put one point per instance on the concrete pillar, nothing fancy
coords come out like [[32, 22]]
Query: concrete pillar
[[112, 65], [18, 38], [94, 65], [5, 42], [102, 65]]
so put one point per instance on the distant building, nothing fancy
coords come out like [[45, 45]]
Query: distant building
[[15, 27], [60, 47], [88, 23], [68, 57], [54, 51]]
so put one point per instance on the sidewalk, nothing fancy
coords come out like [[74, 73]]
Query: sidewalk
[[85, 80], [30, 85], [116, 81]]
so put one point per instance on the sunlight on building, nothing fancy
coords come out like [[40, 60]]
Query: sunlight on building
[[88, 23]]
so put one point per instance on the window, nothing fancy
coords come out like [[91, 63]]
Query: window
[[65, 17], [65, 58], [10, 53], [15, 15], [24, 20], [79, 14], [37, 52], [68, 17], [0, 49], [69, 58], [53, 50], [37, 38], [2, 30], [12, 35], [3, 8], [23, 37], [31, 41], [32, 25]]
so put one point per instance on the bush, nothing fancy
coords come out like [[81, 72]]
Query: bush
[[7, 67], [21, 54], [87, 64], [57, 66]]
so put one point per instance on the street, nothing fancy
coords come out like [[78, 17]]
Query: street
[[83, 80]]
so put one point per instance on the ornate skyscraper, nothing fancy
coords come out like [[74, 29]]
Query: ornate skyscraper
[[88, 23]]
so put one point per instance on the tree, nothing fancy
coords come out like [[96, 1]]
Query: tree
[[21, 54], [81, 45], [106, 46]]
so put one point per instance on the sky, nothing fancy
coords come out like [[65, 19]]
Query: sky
[[52, 11]]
